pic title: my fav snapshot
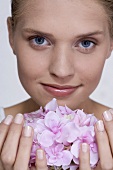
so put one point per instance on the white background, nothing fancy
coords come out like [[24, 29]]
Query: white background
[[11, 91]]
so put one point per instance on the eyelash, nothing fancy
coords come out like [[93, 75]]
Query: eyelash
[[78, 45], [34, 44], [86, 49]]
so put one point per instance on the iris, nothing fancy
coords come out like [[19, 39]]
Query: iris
[[39, 40], [86, 44]]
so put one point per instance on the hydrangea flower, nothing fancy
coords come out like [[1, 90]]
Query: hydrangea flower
[[59, 131]]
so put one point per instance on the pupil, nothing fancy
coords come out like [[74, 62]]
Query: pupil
[[86, 43], [39, 40]]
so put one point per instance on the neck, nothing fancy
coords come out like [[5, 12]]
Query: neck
[[91, 106], [87, 106], [24, 107]]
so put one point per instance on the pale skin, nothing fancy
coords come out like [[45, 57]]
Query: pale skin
[[75, 43]]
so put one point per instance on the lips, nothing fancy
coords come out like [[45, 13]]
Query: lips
[[59, 91]]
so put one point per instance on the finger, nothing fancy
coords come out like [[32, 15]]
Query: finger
[[4, 127], [108, 122], [103, 146], [84, 157], [41, 163], [23, 155], [10, 147]]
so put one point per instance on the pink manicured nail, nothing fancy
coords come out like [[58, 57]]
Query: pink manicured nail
[[8, 120], [100, 126], [27, 131], [84, 147], [40, 154], [107, 115], [18, 119]]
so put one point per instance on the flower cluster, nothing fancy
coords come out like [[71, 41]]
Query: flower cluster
[[59, 131]]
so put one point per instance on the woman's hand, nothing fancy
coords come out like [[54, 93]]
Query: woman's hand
[[15, 145], [104, 136]]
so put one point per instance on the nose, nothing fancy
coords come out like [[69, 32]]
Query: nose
[[62, 65]]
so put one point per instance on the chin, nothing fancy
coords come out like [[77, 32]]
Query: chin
[[71, 103]]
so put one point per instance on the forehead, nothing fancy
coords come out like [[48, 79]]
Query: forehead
[[74, 14]]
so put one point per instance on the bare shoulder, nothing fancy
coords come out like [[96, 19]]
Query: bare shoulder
[[23, 107]]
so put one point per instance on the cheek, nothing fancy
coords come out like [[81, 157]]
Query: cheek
[[91, 72], [31, 68], [31, 63]]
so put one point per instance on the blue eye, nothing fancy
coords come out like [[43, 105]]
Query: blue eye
[[40, 41], [86, 44]]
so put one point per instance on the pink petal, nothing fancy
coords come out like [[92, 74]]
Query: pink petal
[[40, 126], [94, 147], [93, 158], [74, 167], [75, 148], [67, 157], [72, 130], [52, 120], [59, 148], [46, 138], [76, 160], [52, 105]]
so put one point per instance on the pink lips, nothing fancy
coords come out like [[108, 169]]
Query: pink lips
[[59, 91]]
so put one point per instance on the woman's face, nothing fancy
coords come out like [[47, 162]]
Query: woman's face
[[61, 48]]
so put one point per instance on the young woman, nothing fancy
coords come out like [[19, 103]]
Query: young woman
[[61, 48]]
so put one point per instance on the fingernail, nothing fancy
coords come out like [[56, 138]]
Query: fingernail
[[107, 115], [27, 131], [18, 119], [40, 154], [100, 126], [8, 119], [84, 147]]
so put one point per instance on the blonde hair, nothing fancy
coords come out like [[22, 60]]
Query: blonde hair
[[108, 7], [17, 9]]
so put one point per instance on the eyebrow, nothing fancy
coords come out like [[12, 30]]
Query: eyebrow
[[91, 34], [30, 30]]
